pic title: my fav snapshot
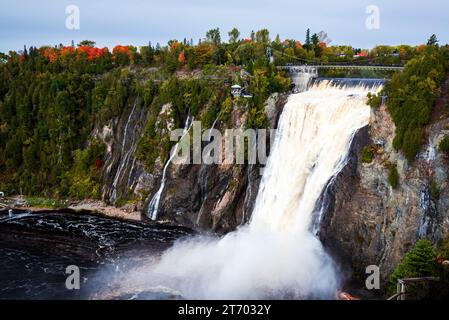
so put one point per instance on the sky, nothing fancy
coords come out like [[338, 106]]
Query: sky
[[136, 22]]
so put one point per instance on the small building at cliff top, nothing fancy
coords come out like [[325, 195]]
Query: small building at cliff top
[[236, 90]]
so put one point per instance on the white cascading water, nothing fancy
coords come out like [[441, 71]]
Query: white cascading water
[[153, 207], [276, 255], [124, 157]]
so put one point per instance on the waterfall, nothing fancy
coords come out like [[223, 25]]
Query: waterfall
[[153, 207], [301, 77], [275, 255], [124, 157]]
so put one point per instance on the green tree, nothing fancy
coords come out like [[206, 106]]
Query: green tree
[[315, 40], [418, 262], [307, 43], [263, 36], [234, 35], [316, 45], [433, 41], [87, 43], [213, 36]]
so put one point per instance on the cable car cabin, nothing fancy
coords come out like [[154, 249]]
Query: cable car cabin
[[236, 90]]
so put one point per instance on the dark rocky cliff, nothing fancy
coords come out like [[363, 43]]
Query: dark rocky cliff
[[208, 197], [365, 221]]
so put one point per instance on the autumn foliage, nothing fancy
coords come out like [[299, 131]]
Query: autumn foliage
[[67, 50], [174, 45], [121, 49], [322, 45], [182, 57], [91, 53], [51, 54]]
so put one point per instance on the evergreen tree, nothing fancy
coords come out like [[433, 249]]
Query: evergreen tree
[[433, 41], [308, 40], [315, 45], [419, 262], [315, 40]]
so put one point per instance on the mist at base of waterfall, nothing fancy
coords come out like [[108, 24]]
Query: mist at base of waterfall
[[241, 265]]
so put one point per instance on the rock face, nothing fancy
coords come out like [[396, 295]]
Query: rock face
[[124, 177], [216, 197], [365, 221]]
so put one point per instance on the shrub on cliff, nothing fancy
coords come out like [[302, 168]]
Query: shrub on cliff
[[434, 190], [368, 154], [393, 175], [443, 248], [374, 100], [444, 145]]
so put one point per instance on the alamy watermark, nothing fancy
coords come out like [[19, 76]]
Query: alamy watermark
[[72, 20], [372, 22], [237, 146], [72, 282], [372, 282]]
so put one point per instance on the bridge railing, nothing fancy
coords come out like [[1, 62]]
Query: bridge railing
[[360, 67]]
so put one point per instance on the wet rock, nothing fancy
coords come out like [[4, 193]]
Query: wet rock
[[365, 221]]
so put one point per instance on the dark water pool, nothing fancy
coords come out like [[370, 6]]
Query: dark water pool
[[36, 248]]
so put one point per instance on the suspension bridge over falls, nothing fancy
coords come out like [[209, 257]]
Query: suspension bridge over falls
[[313, 69]]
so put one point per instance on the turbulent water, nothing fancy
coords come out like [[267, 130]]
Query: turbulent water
[[36, 248], [276, 255]]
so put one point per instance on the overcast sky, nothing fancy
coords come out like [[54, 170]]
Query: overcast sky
[[111, 22]]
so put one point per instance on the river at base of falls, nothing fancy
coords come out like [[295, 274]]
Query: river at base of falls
[[36, 248]]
